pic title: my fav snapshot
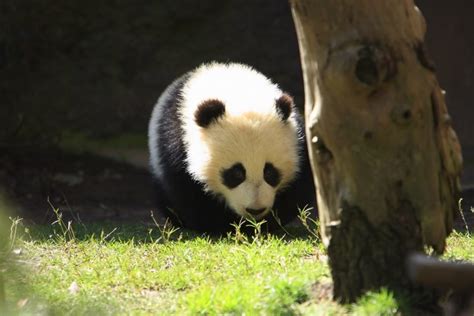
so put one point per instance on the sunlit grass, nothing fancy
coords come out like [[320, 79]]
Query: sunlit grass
[[460, 246], [195, 275], [113, 269]]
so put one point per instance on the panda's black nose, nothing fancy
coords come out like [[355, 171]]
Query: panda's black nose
[[255, 211]]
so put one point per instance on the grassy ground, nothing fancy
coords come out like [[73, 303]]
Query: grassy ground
[[129, 269]]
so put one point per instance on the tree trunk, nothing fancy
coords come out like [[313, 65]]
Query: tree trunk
[[385, 159]]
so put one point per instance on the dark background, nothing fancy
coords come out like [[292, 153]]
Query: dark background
[[76, 72], [98, 66]]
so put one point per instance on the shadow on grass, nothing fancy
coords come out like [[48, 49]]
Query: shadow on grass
[[109, 231], [67, 227]]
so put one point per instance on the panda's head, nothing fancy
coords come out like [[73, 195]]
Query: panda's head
[[242, 147]]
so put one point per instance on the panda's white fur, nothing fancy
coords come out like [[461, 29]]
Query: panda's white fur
[[250, 132], [256, 124]]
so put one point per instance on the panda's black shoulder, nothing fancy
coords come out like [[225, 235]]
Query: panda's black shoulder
[[173, 94], [171, 146]]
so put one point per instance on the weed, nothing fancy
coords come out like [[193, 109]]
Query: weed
[[466, 226], [166, 230], [256, 226], [239, 236], [67, 232], [15, 222], [104, 237], [278, 221], [311, 225]]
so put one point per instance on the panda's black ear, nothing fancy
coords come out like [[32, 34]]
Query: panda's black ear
[[208, 112], [284, 105]]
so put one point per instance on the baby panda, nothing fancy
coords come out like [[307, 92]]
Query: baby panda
[[225, 143]]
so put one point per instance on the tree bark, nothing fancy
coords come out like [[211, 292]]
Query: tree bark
[[385, 158]]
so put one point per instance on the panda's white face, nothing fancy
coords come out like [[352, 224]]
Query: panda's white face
[[242, 145], [250, 197], [245, 159]]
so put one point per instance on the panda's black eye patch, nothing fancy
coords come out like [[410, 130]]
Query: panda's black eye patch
[[271, 175], [233, 176]]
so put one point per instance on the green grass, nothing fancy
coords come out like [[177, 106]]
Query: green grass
[[189, 274], [129, 269], [460, 246]]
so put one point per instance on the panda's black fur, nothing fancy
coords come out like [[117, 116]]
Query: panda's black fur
[[186, 201], [180, 197]]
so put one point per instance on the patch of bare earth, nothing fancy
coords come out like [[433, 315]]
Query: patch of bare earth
[[83, 186]]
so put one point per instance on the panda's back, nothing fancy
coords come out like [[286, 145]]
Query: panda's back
[[165, 135]]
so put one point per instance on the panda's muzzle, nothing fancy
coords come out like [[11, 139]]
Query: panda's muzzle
[[255, 211]]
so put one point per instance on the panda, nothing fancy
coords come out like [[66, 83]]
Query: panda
[[226, 143]]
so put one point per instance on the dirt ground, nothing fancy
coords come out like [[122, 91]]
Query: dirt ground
[[94, 188], [84, 186]]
